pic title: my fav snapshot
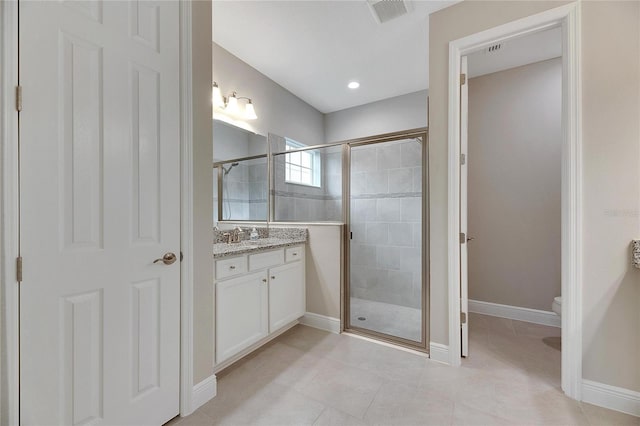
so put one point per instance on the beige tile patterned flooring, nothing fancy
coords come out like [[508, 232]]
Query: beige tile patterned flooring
[[310, 377]]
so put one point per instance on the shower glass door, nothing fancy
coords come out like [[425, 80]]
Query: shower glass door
[[387, 285]]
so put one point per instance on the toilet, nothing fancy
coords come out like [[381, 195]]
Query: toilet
[[556, 306]]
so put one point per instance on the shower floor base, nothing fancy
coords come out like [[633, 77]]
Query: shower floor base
[[396, 320]]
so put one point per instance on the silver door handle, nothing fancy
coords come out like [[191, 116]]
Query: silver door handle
[[167, 259], [470, 239]]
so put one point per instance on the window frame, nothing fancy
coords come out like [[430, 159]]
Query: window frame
[[315, 168]]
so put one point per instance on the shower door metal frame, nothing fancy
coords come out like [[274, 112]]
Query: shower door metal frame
[[346, 326]]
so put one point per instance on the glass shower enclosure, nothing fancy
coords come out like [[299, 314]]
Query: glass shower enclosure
[[386, 294]]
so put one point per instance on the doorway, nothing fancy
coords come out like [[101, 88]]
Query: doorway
[[511, 192], [566, 18], [386, 291]]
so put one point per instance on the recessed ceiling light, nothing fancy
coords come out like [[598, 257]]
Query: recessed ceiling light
[[353, 85]]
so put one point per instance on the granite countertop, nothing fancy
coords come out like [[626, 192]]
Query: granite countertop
[[285, 237]]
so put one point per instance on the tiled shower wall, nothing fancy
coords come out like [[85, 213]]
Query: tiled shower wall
[[301, 203], [245, 190], [386, 221]]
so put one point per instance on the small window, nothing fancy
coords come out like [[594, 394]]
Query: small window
[[302, 167]]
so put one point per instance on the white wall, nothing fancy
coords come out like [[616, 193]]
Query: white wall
[[611, 174], [611, 153], [515, 141], [202, 191], [388, 115], [324, 253], [278, 110]]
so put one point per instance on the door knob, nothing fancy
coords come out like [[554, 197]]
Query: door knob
[[470, 239], [167, 259]]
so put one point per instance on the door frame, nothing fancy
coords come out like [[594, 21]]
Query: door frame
[[10, 214], [9, 208], [567, 17]]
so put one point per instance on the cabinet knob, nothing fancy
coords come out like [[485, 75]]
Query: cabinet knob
[[232, 267], [272, 277], [264, 280], [295, 254]]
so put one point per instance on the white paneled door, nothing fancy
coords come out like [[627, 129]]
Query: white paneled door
[[100, 201]]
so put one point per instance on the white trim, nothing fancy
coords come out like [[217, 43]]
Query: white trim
[[535, 316], [9, 216], [439, 352], [568, 17], [322, 322], [611, 397], [204, 392], [187, 390]]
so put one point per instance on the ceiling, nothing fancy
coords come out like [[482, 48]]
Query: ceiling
[[517, 52], [315, 48]]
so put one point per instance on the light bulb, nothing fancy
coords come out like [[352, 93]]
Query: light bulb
[[249, 111], [232, 104], [216, 96]]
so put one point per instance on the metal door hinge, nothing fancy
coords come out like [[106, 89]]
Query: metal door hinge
[[19, 268], [463, 79], [463, 159], [463, 238], [463, 317], [18, 98]]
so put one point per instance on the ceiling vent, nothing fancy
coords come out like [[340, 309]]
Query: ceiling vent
[[386, 10]]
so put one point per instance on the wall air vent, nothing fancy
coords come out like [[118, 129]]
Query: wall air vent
[[493, 48], [386, 10]]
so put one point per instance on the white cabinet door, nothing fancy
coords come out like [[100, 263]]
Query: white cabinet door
[[100, 201], [286, 294], [241, 313]]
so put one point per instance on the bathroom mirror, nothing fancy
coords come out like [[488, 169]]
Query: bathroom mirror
[[239, 175], [231, 142]]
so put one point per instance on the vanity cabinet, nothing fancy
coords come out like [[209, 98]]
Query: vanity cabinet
[[262, 293], [286, 295]]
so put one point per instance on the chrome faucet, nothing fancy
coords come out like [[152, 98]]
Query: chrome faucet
[[234, 236]]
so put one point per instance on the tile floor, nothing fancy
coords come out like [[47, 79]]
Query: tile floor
[[307, 376], [400, 321]]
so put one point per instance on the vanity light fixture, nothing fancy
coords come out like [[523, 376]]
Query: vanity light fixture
[[216, 96], [230, 104], [353, 85]]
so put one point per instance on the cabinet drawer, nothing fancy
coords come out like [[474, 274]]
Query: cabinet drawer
[[294, 253], [264, 260], [231, 267]]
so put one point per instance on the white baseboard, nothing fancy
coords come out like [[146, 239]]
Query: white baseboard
[[439, 352], [515, 313], [204, 392], [611, 397], [322, 322]]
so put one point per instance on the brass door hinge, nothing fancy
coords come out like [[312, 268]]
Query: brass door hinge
[[19, 268], [463, 317], [18, 98], [463, 238], [463, 79]]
